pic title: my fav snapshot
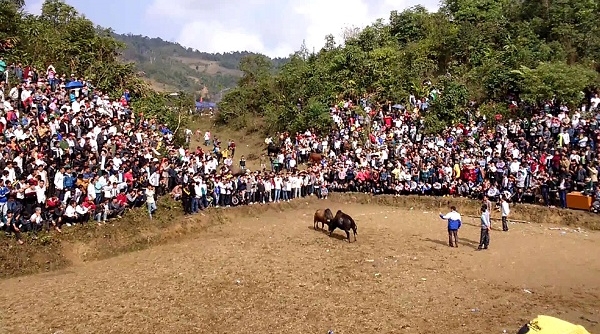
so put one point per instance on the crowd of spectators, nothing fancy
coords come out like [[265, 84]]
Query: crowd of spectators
[[70, 154], [534, 159]]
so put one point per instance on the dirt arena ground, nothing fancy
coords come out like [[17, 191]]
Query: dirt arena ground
[[275, 274]]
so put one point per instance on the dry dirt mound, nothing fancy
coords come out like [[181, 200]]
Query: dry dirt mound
[[263, 269]]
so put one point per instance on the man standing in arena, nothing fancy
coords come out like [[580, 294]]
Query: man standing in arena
[[454, 223], [486, 226]]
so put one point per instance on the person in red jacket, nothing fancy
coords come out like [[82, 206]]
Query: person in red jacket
[[89, 205], [122, 198]]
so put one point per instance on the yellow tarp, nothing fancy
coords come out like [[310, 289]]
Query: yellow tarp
[[544, 324]]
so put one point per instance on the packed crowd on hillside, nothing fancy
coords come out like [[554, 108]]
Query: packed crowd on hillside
[[70, 155], [538, 159]]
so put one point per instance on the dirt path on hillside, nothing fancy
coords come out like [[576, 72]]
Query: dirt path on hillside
[[274, 274]]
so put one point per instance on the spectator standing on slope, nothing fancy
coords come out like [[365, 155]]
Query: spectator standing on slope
[[486, 226], [505, 209], [454, 223], [4, 192], [207, 138], [150, 200]]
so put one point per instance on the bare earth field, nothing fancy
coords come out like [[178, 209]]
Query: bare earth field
[[275, 274]]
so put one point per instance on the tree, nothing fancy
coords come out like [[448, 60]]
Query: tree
[[558, 81], [449, 107], [488, 51], [18, 4]]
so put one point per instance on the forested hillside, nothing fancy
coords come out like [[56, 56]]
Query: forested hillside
[[475, 52], [169, 66]]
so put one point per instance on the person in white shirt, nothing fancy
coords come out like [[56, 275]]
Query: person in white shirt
[[296, 185], [70, 216], [150, 201], [278, 183], [109, 190], [505, 209], [219, 193], [203, 194], [82, 213], [594, 102], [18, 160], [59, 184], [198, 196], [486, 226], [40, 192], [154, 179], [12, 175], [91, 190], [36, 219], [19, 187], [268, 187]]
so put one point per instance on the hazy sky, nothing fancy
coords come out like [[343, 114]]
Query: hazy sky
[[272, 27]]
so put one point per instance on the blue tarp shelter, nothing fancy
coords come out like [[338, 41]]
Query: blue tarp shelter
[[205, 105]]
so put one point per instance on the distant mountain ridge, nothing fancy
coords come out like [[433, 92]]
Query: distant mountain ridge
[[169, 66]]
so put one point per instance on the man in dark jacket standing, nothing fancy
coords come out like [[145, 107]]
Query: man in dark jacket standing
[[187, 194], [486, 226]]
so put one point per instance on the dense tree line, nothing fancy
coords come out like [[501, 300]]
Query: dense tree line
[[474, 52], [62, 37]]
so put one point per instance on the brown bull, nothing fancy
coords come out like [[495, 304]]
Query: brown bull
[[323, 217], [315, 158]]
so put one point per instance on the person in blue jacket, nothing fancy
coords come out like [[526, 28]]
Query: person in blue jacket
[[454, 223]]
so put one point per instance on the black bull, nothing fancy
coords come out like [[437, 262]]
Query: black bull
[[272, 149], [343, 222]]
